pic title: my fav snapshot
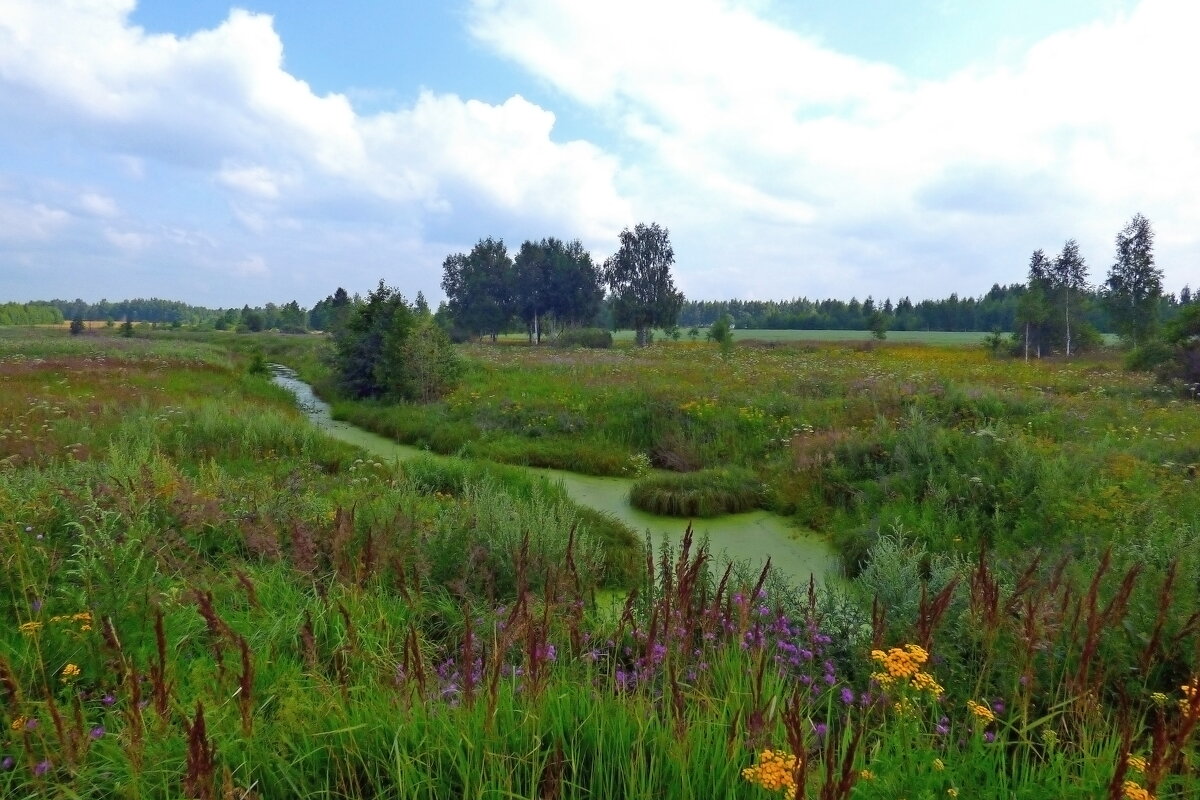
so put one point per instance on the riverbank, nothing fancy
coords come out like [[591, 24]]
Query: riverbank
[[750, 537]]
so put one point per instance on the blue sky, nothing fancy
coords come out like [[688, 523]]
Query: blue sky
[[276, 150]]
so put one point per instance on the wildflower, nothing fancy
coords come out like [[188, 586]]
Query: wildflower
[[1132, 790], [847, 696], [924, 682], [773, 772], [1189, 697], [19, 723], [952, 792], [42, 768], [1159, 699], [989, 736], [7, 763], [1136, 763], [866, 775], [901, 663], [982, 712], [30, 628], [108, 699], [97, 732], [70, 672], [938, 765]]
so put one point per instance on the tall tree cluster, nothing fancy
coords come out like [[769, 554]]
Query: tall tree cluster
[[1134, 285], [387, 348], [552, 283], [1056, 297], [639, 277]]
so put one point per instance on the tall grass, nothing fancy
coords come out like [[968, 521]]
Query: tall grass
[[187, 618]]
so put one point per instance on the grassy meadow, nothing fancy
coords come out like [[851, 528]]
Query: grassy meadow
[[204, 597]]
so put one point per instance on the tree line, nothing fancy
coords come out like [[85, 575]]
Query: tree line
[[554, 284], [37, 313]]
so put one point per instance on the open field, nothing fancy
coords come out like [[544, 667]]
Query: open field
[[948, 338], [207, 598]]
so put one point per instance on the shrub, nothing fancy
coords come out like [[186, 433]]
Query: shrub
[[592, 338], [1145, 357]]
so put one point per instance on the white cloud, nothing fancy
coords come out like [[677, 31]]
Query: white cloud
[[98, 205], [764, 143], [251, 266], [220, 103], [126, 240], [22, 221]]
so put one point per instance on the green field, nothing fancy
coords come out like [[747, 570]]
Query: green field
[[206, 597], [961, 338]]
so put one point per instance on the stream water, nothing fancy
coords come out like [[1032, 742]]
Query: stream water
[[752, 536]]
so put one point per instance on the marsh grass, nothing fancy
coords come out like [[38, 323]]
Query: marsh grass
[[707, 493], [202, 621]]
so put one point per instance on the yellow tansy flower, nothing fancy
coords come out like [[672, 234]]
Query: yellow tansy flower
[[982, 712], [70, 672], [774, 772], [1132, 790]]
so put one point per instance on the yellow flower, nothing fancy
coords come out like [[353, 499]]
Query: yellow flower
[[1159, 699], [1131, 790], [1189, 695], [938, 766], [774, 772], [901, 663], [924, 682], [1136, 763], [982, 712], [30, 628], [866, 775], [952, 792], [70, 672], [19, 723]]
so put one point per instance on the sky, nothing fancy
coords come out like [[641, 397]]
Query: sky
[[227, 155]]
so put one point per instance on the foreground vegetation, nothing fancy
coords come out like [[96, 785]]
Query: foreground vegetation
[[206, 598]]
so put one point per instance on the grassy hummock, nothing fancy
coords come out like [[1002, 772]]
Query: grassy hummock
[[707, 493]]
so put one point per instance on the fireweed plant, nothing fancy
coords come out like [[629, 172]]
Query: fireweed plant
[[203, 597]]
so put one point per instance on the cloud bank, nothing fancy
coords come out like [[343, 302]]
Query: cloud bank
[[270, 165], [199, 167], [759, 143]]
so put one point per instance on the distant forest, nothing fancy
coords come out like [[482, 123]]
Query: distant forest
[[995, 310]]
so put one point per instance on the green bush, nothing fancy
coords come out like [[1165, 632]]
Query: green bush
[[1145, 357]]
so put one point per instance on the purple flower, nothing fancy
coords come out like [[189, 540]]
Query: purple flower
[[109, 699], [943, 726], [36, 605], [998, 706], [96, 732], [7, 763], [847, 695], [31, 724], [989, 737], [821, 729], [41, 768]]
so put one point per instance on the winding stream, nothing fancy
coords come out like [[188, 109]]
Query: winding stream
[[752, 536]]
